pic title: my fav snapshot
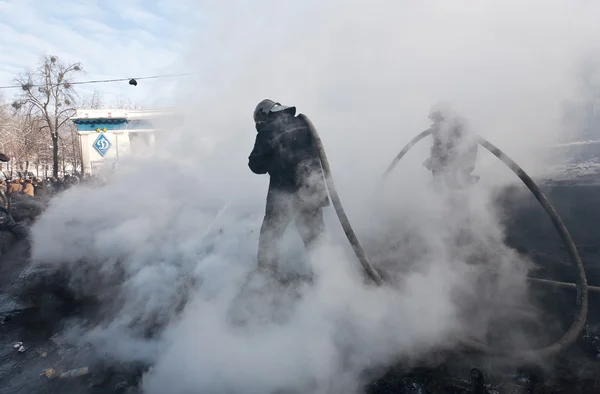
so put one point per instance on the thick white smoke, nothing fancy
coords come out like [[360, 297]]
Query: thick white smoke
[[168, 243]]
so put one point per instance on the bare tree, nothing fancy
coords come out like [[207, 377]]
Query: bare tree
[[25, 143], [125, 103], [48, 92], [93, 101], [71, 150], [96, 101], [8, 132], [22, 138]]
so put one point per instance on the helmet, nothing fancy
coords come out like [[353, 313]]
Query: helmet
[[441, 112], [262, 110], [267, 106]]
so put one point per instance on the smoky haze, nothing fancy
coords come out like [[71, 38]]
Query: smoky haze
[[167, 244]]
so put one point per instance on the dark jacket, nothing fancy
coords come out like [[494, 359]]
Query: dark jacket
[[453, 149], [40, 189], [7, 223], [285, 150], [4, 200]]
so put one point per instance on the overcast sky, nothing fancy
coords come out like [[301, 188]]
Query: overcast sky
[[111, 38], [488, 56]]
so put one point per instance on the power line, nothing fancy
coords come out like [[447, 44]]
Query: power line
[[103, 80]]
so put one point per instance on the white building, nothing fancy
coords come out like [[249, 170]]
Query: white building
[[109, 134]]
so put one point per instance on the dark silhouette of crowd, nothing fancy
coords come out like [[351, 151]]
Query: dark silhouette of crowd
[[38, 187]]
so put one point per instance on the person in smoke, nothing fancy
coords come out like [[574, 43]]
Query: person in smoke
[[453, 151], [4, 200], [15, 187], [285, 150], [40, 189], [28, 189], [7, 223]]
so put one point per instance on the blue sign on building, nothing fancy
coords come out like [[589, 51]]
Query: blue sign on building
[[102, 145]]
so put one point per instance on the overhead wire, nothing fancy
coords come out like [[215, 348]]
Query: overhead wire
[[103, 80]]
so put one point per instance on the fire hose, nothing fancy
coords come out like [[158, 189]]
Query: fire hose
[[579, 320], [339, 208]]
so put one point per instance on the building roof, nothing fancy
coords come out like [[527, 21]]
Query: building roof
[[128, 114]]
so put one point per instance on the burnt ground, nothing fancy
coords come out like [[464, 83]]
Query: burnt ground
[[530, 231], [34, 310], [37, 317]]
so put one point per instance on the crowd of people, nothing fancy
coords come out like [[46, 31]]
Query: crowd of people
[[17, 191], [37, 187]]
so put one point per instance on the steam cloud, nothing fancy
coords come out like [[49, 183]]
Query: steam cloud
[[168, 243]]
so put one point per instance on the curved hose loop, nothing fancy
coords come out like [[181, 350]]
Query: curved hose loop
[[404, 150], [339, 209], [582, 288]]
